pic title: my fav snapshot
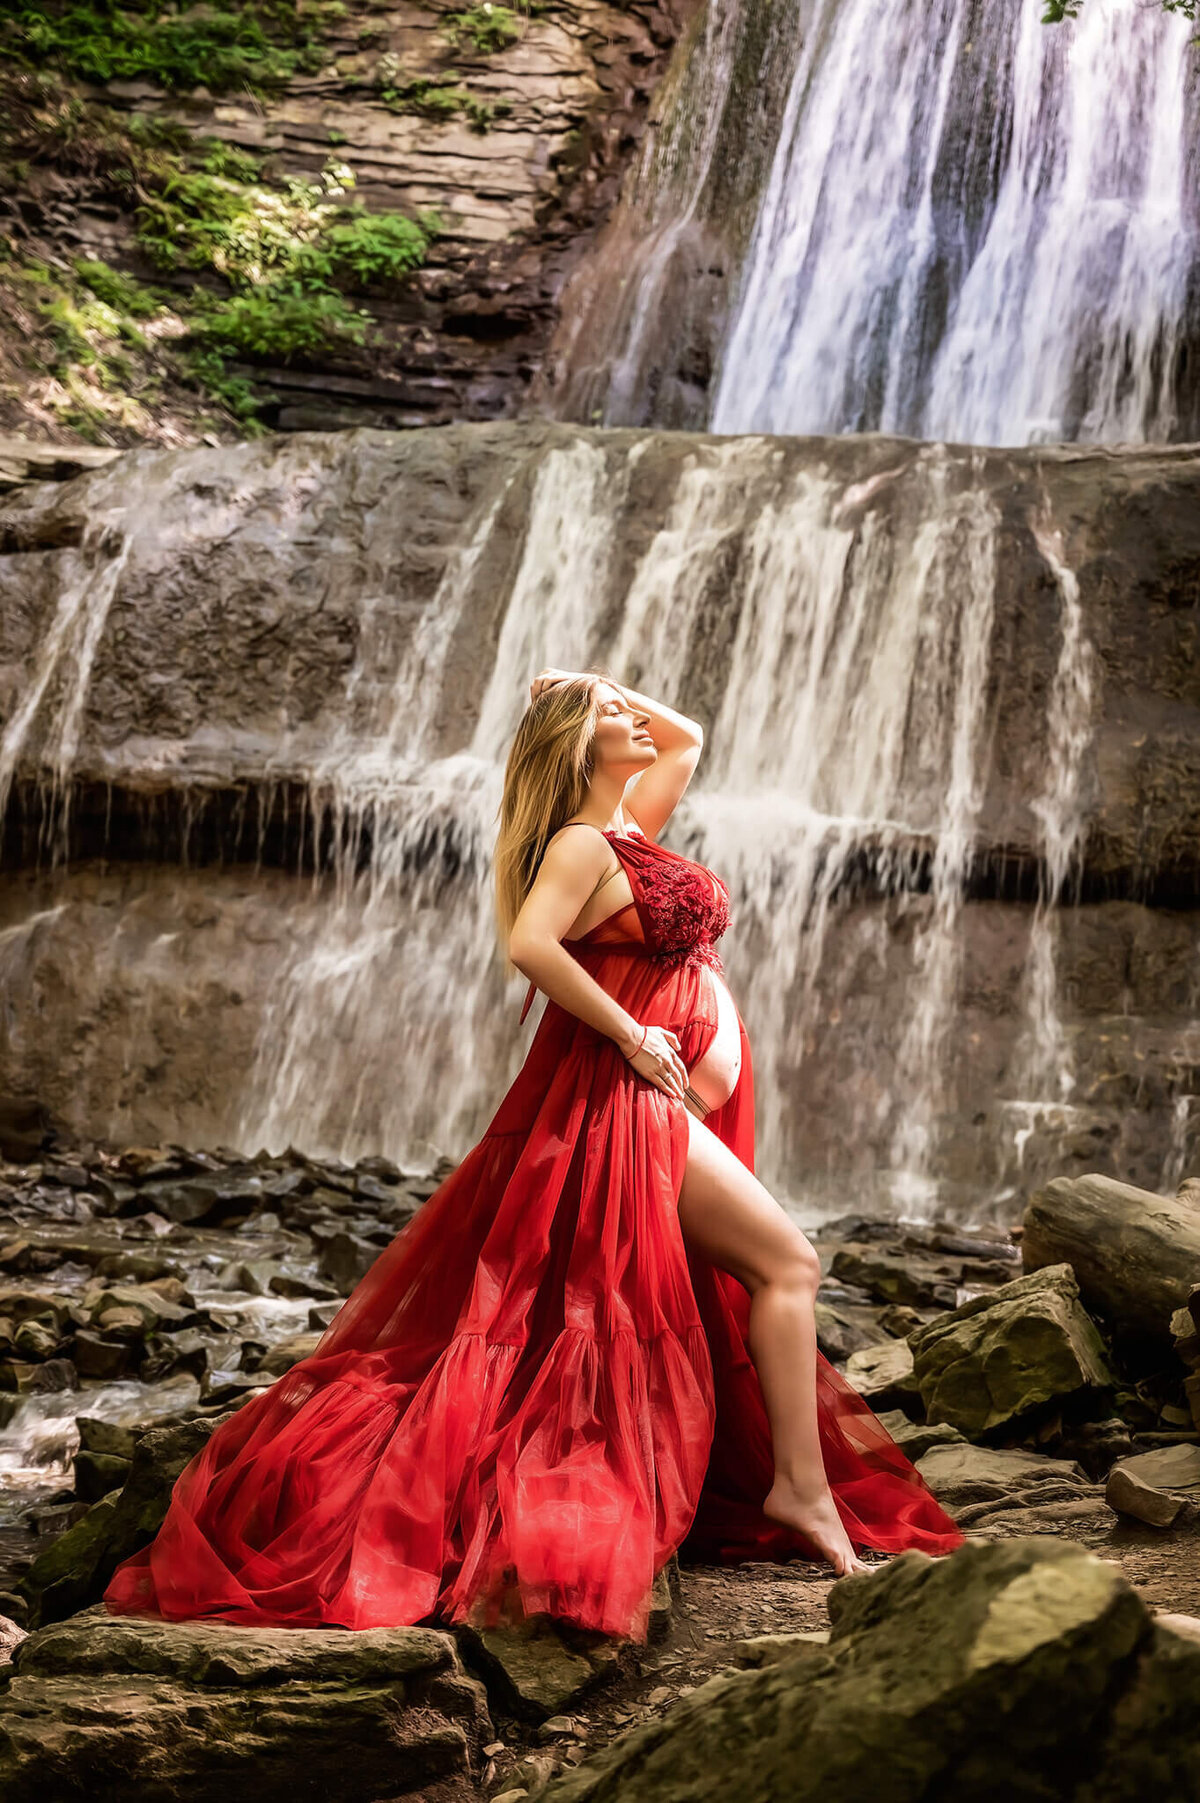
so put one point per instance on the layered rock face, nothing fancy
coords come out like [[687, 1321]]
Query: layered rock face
[[521, 170], [260, 698], [102, 1706]]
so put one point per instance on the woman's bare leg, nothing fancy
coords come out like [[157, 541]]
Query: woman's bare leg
[[727, 1214]]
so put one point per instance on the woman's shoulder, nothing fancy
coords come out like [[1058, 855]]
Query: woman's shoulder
[[569, 825]]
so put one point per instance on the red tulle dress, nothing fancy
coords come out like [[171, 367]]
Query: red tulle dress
[[538, 1392]]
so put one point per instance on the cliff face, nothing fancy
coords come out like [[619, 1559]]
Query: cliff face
[[517, 141], [946, 693]]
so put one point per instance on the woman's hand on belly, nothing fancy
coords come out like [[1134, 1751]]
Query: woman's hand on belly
[[714, 1076]]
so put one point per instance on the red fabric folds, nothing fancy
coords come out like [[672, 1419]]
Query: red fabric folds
[[537, 1393]]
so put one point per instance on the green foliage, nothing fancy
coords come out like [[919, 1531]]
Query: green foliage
[[230, 161], [207, 370], [489, 27], [357, 249], [437, 100], [119, 292], [301, 236], [280, 325], [256, 44]]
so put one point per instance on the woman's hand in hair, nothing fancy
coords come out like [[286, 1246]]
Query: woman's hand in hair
[[546, 679]]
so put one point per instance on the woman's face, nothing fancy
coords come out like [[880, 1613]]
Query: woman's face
[[621, 740]]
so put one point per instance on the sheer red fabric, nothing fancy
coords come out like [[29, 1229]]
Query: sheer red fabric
[[538, 1392]]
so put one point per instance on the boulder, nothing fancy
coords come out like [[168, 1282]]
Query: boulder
[[998, 1356], [884, 1373], [345, 1259], [11, 1636], [74, 1570], [964, 1474], [97, 1355], [1026, 1668], [541, 1667], [770, 1649], [1135, 1254], [115, 1707], [838, 1336], [904, 1277], [38, 1379], [1156, 1487], [916, 1438]]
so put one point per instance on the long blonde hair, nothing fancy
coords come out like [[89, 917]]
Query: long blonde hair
[[546, 781]]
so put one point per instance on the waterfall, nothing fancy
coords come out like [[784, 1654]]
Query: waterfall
[[844, 631], [974, 227], [48, 717], [977, 228]]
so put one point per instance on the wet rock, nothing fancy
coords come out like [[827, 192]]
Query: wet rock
[[1001, 1355], [146, 1306], [116, 1707], [286, 1353], [73, 1571], [285, 1283], [36, 1340], [345, 1259], [98, 1474], [226, 1387], [35, 1380], [176, 1353], [11, 1636], [1135, 1254], [96, 1355], [1156, 1487], [110, 1437], [37, 1305], [202, 1199], [255, 1276], [1019, 1657], [139, 1267]]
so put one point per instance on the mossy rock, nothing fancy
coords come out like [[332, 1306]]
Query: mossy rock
[[1003, 1355]]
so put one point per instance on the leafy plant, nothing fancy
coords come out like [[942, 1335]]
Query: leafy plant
[[119, 292], [489, 27], [280, 324], [230, 161], [360, 249], [437, 100], [257, 44]]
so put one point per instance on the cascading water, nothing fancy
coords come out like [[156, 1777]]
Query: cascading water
[[851, 731], [50, 711], [975, 228]]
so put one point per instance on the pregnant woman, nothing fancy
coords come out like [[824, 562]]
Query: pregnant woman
[[595, 1343]]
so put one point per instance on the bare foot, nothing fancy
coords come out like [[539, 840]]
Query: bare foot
[[818, 1519]]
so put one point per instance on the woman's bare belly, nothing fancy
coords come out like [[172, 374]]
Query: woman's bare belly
[[714, 1076]]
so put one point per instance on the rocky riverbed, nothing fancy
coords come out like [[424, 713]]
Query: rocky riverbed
[[145, 1292]]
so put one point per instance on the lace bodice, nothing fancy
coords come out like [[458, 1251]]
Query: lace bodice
[[680, 909]]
